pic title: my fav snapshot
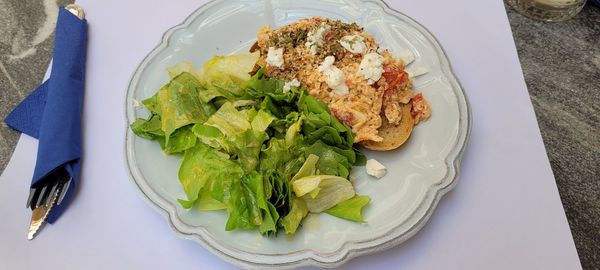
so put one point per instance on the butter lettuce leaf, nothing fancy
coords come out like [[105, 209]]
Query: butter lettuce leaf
[[204, 167], [262, 120], [226, 76], [181, 140], [179, 104], [308, 168], [260, 86], [292, 134], [249, 207], [266, 156], [318, 116], [206, 202], [181, 67], [211, 136], [350, 209], [237, 67], [247, 146], [321, 192], [293, 219], [148, 128], [229, 120], [151, 104], [244, 212], [332, 160], [274, 154]]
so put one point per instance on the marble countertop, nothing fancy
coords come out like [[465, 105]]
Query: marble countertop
[[561, 64], [560, 61]]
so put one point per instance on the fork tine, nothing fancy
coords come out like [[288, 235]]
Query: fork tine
[[51, 194], [63, 192], [31, 193], [40, 198]]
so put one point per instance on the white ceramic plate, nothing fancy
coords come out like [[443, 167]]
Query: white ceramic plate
[[419, 173]]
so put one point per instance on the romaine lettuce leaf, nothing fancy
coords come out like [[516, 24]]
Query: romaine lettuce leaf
[[350, 209]]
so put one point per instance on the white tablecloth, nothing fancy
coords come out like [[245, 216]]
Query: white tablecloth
[[505, 212]]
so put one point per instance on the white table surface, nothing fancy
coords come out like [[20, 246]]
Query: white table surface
[[505, 212]]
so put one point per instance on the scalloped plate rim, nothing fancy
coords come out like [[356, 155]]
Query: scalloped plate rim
[[309, 257]]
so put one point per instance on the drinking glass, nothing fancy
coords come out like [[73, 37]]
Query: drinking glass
[[547, 10]]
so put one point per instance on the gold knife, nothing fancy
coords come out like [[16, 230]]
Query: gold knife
[[40, 213]]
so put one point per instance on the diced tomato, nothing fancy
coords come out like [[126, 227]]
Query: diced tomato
[[394, 76], [416, 101]]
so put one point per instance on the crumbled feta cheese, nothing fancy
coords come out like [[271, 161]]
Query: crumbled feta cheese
[[371, 67], [334, 76], [354, 43], [275, 57], [315, 37], [417, 72], [374, 168], [287, 86]]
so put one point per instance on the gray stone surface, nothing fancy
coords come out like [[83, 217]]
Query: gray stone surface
[[561, 64], [26, 41]]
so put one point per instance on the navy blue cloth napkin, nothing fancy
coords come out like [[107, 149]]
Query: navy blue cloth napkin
[[52, 113]]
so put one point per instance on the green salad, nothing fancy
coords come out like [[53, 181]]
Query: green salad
[[265, 153]]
